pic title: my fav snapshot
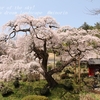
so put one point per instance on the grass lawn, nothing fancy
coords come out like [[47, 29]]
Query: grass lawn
[[26, 88], [33, 88]]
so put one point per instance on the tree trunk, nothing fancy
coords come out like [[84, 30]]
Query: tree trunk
[[51, 82]]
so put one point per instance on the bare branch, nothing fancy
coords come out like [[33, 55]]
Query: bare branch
[[95, 11], [59, 69]]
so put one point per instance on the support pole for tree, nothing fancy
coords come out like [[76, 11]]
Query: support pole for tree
[[79, 68], [54, 59]]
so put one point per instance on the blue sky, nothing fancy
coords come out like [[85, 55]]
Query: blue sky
[[66, 12]]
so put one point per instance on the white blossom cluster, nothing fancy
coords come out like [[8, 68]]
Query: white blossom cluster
[[75, 39], [8, 71]]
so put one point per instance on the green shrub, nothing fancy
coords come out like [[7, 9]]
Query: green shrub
[[16, 83], [49, 67], [83, 75], [35, 97], [64, 76], [71, 96], [1, 85], [58, 63], [6, 91], [69, 85], [37, 91], [24, 78], [45, 91]]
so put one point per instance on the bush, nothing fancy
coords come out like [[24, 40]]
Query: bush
[[24, 79], [69, 85], [45, 91], [35, 97], [83, 75], [16, 83], [37, 91], [72, 96], [58, 64], [6, 91], [49, 67], [1, 86]]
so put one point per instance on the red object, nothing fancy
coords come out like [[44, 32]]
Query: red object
[[91, 71], [93, 65]]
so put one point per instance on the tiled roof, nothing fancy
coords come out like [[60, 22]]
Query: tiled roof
[[94, 61]]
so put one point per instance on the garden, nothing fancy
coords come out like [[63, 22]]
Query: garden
[[40, 60]]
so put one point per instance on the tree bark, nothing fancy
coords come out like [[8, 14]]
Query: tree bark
[[48, 75], [51, 82]]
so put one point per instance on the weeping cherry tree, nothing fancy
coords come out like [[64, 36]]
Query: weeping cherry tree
[[44, 34]]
